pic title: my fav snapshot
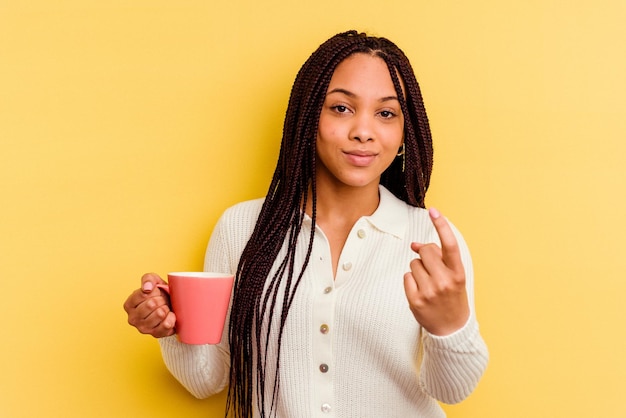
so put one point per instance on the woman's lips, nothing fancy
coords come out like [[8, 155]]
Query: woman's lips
[[360, 158]]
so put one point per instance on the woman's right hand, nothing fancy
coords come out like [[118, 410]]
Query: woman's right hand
[[148, 308]]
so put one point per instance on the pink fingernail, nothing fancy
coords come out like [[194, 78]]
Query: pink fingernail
[[434, 213], [148, 286]]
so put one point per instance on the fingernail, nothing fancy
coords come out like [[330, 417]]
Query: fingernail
[[148, 286], [434, 213]]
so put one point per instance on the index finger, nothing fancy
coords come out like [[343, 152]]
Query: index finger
[[451, 254]]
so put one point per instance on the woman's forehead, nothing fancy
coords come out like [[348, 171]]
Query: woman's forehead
[[362, 70], [366, 73]]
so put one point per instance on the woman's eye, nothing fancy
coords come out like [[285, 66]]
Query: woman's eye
[[340, 109], [387, 114]]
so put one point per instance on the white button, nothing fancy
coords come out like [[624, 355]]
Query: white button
[[346, 266], [360, 233], [328, 289], [326, 408]]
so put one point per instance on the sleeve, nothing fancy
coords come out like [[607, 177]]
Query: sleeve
[[453, 364], [203, 369]]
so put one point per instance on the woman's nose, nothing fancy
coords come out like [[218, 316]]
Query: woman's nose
[[362, 128]]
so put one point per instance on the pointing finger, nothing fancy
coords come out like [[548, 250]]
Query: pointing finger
[[449, 247]]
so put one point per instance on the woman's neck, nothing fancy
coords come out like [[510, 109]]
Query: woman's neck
[[342, 203], [338, 209]]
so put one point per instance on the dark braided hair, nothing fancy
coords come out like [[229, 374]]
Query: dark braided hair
[[258, 294]]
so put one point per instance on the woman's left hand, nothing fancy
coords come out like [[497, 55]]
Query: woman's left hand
[[435, 286]]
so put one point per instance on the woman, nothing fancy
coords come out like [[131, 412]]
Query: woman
[[351, 299]]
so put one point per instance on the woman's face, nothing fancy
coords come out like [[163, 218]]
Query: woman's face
[[361, 124]]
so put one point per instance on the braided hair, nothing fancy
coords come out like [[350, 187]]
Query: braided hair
[[258, 295]]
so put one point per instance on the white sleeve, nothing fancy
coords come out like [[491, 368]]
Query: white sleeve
[[201, 369]]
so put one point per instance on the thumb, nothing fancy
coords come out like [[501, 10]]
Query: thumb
[[149, 282], [416, 246]]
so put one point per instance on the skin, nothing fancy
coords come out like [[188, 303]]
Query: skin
[[360, 132]]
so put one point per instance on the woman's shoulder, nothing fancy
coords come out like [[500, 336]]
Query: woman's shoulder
[[245, 209], [241, 216], [392, 206], [238, 221]]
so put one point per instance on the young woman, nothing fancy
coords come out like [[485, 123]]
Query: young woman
[[350, 299]]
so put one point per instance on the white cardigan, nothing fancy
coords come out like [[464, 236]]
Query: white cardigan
[[351, 346]]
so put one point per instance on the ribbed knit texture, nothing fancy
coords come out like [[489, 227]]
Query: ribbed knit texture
[[351, 347]]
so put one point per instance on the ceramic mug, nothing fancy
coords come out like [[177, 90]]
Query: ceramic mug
[[200, 301]]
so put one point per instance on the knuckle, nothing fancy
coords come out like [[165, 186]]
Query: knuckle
[[135, 321], [429, 295], [129, 303], [448, 285], [429, 250], [416, 262], [143, 329], [161, 312], [416, 305], [458, 278]]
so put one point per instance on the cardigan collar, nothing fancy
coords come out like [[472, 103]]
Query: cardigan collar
[[391, 215]]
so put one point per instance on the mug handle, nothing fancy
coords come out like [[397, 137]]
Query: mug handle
[[165, 287]]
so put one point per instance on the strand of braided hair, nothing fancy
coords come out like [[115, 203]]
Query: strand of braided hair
[[266, 285]]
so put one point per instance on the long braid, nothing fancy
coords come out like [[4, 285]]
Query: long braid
[[412, 184], [257, 290]]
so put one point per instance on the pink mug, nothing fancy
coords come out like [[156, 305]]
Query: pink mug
[[200, 301]]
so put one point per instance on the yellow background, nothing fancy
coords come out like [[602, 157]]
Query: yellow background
[[127, 127]]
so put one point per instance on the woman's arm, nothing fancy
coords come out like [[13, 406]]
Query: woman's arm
[[440, 292], [204, 369]]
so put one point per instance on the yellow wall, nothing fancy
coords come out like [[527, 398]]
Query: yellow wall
[[126, 127]]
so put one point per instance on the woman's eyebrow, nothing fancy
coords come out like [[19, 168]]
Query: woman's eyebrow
[[386, 99], [342, 91], [352, 95]]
